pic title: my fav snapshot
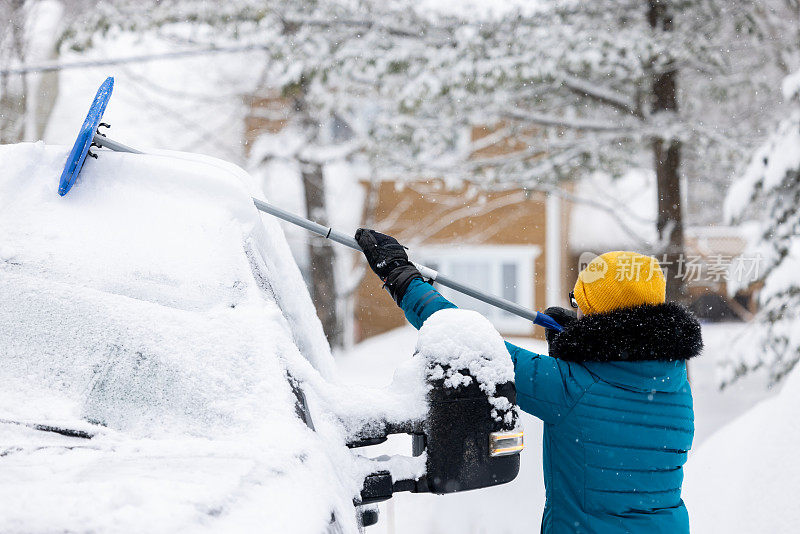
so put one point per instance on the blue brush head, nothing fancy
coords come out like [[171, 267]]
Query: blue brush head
[[77, 155]]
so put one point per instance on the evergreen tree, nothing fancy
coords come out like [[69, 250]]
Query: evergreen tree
[[770, 189]]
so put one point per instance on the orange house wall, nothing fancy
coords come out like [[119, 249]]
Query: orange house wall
[[428, 214]]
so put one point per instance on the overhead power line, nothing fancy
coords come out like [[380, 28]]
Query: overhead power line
[[89, 63]]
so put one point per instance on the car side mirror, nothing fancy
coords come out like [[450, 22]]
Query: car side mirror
[[471, 440]]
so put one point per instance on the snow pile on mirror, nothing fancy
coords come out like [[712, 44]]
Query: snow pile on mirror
[[458, 345], [455, 340]]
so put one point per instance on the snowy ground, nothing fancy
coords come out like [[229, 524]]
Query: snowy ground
[[517, 507]]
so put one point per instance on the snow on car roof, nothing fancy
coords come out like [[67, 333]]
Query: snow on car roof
[[152, 307]]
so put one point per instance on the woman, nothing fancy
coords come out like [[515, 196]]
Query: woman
[[613, 393]]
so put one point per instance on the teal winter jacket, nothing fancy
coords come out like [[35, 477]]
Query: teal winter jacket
[[617, 412]]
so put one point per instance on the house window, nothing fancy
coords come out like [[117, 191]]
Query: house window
[[505, 271]]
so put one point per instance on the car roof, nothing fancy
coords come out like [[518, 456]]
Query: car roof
[[152, 309]]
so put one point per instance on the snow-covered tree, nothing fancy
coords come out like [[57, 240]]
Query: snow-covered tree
[[29, 30], [569, 86], [770, 188], [573, 86], [596, 85]]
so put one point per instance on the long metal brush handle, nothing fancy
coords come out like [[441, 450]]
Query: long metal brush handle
[[344, 239]]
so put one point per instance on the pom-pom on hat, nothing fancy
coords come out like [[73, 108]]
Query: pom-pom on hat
[[619, 279]]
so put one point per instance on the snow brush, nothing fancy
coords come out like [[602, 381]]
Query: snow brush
[[426, 272], [90, 136]]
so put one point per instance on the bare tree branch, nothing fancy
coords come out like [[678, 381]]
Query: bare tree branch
[[563, 122], [601, 94]]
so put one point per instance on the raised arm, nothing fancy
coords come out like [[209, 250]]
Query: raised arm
[[546, 387], [420, 301]]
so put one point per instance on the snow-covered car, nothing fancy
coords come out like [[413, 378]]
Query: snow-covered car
[[163, 368]]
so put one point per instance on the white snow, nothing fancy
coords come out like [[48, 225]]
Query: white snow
[[455, 340], [790, 86], [154, 301], [367, 409], [192, 104], [764, 193], [478, 8], [744, 478], [767, 168], [274, 162], [400, 466]]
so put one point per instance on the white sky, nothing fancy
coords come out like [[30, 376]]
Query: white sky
[[482, 7]]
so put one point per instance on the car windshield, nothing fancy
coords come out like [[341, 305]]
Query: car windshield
[[121, 292]]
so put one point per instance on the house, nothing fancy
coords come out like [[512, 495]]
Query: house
[[722, 277], [508, 243]]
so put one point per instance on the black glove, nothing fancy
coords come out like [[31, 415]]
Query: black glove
[[562, 316], [388, 259]]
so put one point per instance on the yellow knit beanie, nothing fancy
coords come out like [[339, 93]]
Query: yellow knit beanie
[[619, 279]]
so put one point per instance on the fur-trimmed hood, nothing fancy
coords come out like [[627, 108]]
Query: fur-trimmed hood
[[663, 332]]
